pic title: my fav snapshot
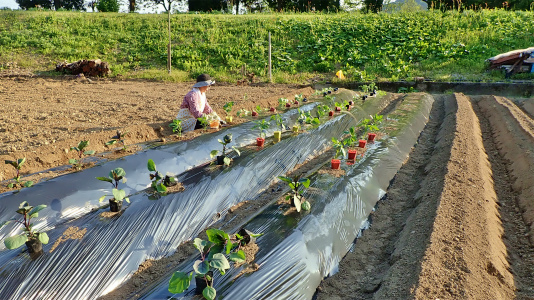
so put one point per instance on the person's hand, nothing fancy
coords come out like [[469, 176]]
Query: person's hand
[[223, 122]]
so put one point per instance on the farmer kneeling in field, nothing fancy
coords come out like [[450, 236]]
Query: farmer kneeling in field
[[195, 105]]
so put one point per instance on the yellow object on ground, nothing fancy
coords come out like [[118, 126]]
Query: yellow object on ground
[[340, 75]]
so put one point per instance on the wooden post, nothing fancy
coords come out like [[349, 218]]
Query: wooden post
[[270, 63], [169, 46]]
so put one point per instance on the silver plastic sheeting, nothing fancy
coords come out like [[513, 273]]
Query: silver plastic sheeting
[[113, 248], [298, 250]]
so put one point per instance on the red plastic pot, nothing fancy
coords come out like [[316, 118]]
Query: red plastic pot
[[338, 108], [362, 143], [335, 164], [296, 103], [331, 113], [254, 114], [272, 109], [371, 137], [260, 142], [352, 154], [288, 105]]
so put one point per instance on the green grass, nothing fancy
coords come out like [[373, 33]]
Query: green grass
[[367, 47]]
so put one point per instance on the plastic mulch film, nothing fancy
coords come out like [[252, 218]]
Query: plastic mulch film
[[111, 249], [298, 250]]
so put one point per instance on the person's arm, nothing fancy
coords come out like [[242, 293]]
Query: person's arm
[[193, 103], [207, 108]]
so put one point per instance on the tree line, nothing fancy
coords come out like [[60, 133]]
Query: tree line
[[248, 6]]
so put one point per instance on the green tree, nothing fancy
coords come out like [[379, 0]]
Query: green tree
[[108, 6], [25, 4], [69, 4], [208, 5]]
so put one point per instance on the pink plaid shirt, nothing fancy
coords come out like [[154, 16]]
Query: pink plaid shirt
[[194, 102]]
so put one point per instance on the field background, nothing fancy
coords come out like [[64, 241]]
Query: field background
[[441, 46]]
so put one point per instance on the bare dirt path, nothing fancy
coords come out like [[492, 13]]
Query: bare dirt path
[[41, 118], [459, 234]]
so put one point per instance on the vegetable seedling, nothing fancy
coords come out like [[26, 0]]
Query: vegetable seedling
[[242, 113], [280, 124], [17, 164], [338, 146], [77, 163], [114, 177], [282, 102], [176, 126], [297, 186], [228, 108], [159, 182], [212, 258], [29, 236], [262, 127], [118, 138], [204, 122], [227, 139]]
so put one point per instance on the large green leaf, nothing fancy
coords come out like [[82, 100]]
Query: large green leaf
[[214, 153], [209, 293], [20, 162], [201, 244], [151, 165], [214, 250], [286, 179], [161, 188], [217, 236], [227, 160], [105, 179], [117, 173], [305, 182], [34, 212], [43, 237], [238, 256], [220, 262], [118, 194], [13, 242], [179, 282], [201, 267]]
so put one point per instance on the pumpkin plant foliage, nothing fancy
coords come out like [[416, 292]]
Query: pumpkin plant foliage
[[28, 212]]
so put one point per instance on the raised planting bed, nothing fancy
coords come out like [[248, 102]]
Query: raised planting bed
[[107, 249], [299, 249]]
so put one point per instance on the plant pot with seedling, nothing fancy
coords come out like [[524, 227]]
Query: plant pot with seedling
[[295, 128], [17, 164], [212, 258], [223, 159], [114, 177], [227, 107], [159, 183], [272, 109], [331, 113], [214, 124], [277, 135], [298, 99], [283, 102], [340, 152], [119, 138], [254, 114], [297, 186], [262, 126], [34, 240], [242, 113], [371, 137]]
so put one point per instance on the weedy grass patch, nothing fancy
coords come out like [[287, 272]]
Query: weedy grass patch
[[367, 47]]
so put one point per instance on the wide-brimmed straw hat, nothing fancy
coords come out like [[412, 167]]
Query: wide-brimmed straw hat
[[203, 80]]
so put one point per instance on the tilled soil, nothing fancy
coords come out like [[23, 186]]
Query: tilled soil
[[455, 223], [41, 118]]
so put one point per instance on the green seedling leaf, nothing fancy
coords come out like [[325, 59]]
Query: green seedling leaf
[[305, 182], [43, 237], [73, 161], [201, 267], [101, 198], [28, 183], [105, 179], [161, 188], [214, 153], [151, 165], [209, 293], [255, 235], [34, 212], [20, 162], [179, 282], [89, 152], [286, 179], [217, 236], [214, 250], [229, 246], [227, 161], [201, 244], [306, 205], [127, 199], [238, 256], [219, 261], [110, 143], [24, 204], [118, 194], [117, 174], [11, 185], [13, 242]]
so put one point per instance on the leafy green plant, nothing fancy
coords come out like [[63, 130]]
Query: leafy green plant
[[115, 176], [204, 122], [322, 110], [228, 107], [279, 121], [77, 163], [159, 182], [258, 109], [353, 138], [212, 258], [242, 113], [406, 90], [17, 164], [227, 139], [297, 185], [282, 102], [118, 138], [339, 147], [299, 97], [29, 212], [262, 126], [365, 88], [176, 126]]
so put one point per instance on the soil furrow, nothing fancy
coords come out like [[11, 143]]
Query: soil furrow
[[466, 258], [520, 253], [364, 271]]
